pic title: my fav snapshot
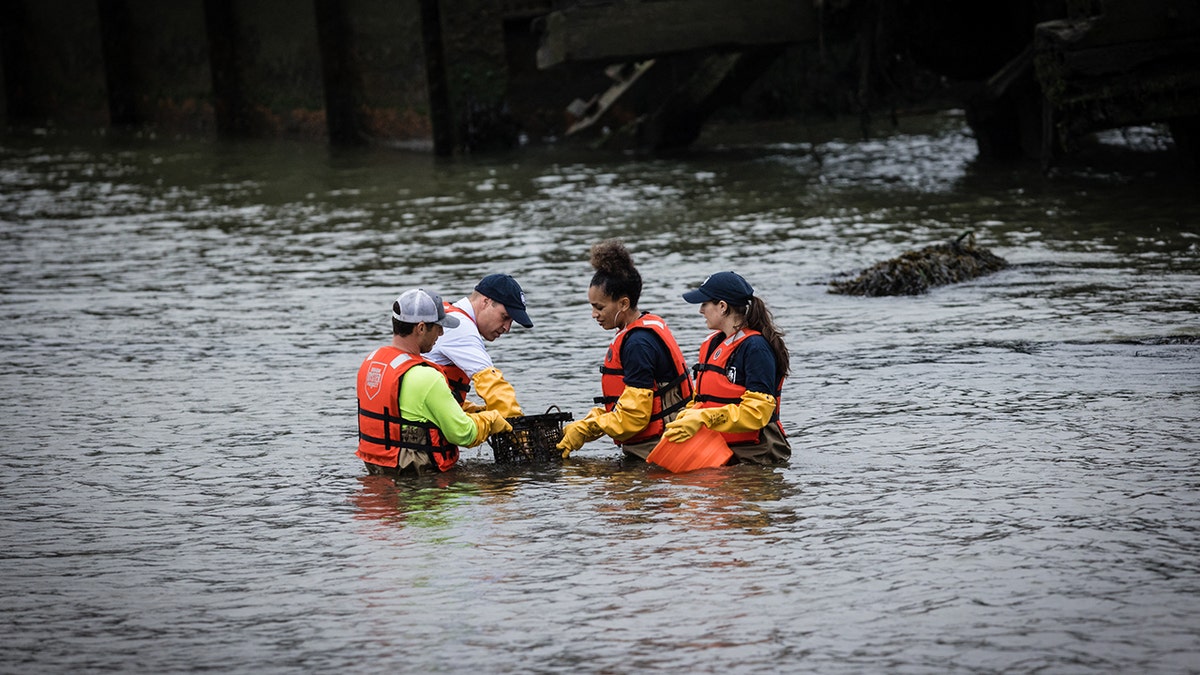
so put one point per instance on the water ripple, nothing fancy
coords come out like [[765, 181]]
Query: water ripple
[[996, 476]]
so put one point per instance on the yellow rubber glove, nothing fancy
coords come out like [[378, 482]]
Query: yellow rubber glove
[[630, 415], [751, 414], [577, 433], [685, 425], [496, 392], [469, 407], [487, 423]]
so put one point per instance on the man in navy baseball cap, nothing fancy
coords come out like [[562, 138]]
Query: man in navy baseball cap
[[486, 314], [505, 290]]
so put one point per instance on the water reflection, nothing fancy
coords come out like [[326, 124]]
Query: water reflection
[[712, 499], [622, 492], [426, 502]]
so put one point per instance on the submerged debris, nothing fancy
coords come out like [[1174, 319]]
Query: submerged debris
[[915, 272]]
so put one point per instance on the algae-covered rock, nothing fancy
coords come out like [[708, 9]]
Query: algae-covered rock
[[914, 272]]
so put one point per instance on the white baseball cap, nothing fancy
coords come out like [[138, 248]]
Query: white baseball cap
[[419, 305]]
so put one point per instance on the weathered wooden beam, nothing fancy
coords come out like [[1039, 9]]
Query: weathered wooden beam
[[15, 71], [233, 112], [440, 112], [341, 74], [635, 31], [119, 74]]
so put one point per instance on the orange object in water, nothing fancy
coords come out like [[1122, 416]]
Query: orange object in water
[[703, 451]]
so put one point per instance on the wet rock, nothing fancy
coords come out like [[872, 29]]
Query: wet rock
[[914, 272]]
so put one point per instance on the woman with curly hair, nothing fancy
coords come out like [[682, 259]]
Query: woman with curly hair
[[644, 377]]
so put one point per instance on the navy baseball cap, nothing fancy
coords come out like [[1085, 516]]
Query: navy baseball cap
[[505, 290], [727, 286]]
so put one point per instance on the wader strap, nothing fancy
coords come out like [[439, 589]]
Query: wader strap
[[676, 406]]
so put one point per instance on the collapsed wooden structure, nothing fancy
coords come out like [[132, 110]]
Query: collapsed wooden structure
[[672, 62], [1131, 63]]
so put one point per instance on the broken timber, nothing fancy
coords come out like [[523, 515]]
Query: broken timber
[[674, 62], [589, 112]]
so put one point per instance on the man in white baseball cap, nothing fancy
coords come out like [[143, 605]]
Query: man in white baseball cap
[[408, 420]]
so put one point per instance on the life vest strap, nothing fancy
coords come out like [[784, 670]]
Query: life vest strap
[[668, 386], [707, 368], [388, 420], [383, 417], [389, 443], [708, 398], [661, 388], [676, 406]]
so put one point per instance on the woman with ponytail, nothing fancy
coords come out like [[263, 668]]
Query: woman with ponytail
[[739, 377], [644, 377]]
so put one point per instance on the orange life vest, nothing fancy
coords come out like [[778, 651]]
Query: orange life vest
[[457, 378], [612, 377], [715, 386], [380, 423]]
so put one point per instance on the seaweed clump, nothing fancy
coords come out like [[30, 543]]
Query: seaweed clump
[[914, 272]]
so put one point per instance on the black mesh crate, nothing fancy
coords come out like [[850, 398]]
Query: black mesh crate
[[531, 440]]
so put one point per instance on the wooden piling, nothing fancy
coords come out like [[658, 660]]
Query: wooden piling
[[435, 72], [231, 109], [53, 60], [119, 75], [340, 70]]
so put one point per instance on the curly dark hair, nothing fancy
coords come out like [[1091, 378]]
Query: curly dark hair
[[615, 273]]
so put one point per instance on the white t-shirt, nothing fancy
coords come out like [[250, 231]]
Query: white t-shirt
[[462, 345]]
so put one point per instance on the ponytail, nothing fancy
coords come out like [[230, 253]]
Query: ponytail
[[759, 318]]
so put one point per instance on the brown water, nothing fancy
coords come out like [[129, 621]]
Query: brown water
[[997, 476]]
